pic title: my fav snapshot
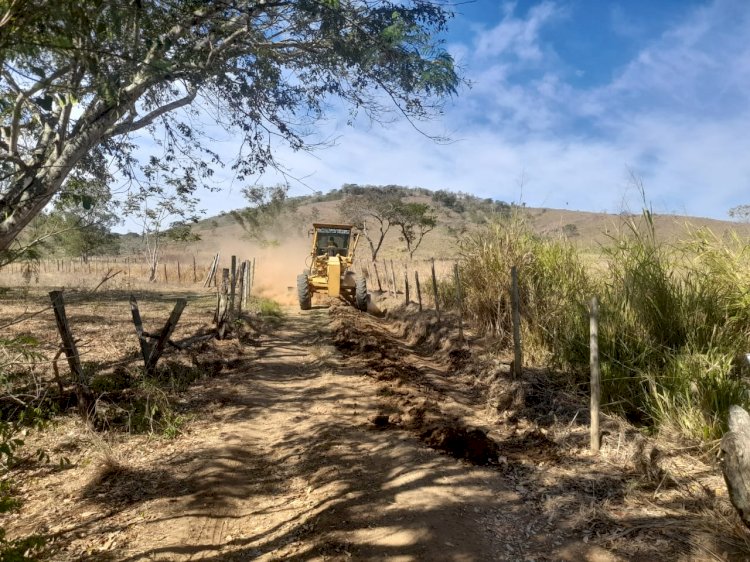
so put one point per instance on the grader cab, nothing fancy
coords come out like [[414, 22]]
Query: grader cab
[[329, 271]]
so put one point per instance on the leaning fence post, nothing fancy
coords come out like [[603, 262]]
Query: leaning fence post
[[158, 348], [515, 303], [83, 392], [435, 292], [138, 323], [459, 294], [419, 289], [595, 374]]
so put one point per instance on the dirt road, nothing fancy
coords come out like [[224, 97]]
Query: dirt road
[[288, 464], [324, 437]]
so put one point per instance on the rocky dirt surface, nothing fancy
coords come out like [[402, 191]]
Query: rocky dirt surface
[[336, 435]]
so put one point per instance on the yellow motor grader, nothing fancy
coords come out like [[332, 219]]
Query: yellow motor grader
[[330, 272]]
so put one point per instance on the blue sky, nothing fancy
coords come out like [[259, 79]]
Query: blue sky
[[568, 97]]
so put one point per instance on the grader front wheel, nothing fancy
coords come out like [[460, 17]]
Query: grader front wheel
[[303, 292]]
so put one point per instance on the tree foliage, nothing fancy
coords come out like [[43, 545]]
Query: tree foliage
[[82, 218], [78, 79], [261, 220], [414, 220], [161, 199], [372, 210]]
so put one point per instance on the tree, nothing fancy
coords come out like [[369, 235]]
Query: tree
[[372, 210], [154, 202], [263, 216], [414, 220], [83, 216], [740, 213], [77, 79]]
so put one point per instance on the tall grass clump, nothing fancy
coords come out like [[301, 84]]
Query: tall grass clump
[[675, 322], [553, 285]]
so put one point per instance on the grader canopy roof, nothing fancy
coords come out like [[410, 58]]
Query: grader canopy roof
[[332, 235]]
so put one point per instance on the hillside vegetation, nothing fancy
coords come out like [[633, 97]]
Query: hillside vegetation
[[458, 214]]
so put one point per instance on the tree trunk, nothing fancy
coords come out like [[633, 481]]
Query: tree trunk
[[735, 446], [28, 195]]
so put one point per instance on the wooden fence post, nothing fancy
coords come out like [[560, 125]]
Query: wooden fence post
[[406, 285], [195, 271], [377, 277], [252, 276], [222, 305], [153, 352], [595, 374], [138, 323], [232, 282], [166, 279], [179, 273], [241, 287], [212, 271], [85, 397], [460, 296], [515, 303], [393, 275], [435, 292], [419, 289], [246, 292]]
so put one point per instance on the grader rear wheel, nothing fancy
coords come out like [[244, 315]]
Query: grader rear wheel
[[303, 292], [360, 294]]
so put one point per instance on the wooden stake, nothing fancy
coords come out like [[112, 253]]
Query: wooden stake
[[435, 292], [419, 289], [252, 276], [246, 292], [241, 287], [195, 271], [86, 403], [212, 271], [222, 308], [393, 275], [179, 273], [595, 374], [515, 303], [138, 323], [166, 332], [460, 296], [377, 277], [166, 279], [406, 286], [232, 283]]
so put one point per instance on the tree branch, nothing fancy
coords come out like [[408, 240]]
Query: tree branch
[[131, 125]]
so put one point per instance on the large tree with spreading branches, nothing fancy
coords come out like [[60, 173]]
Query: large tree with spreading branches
[[81, 82]]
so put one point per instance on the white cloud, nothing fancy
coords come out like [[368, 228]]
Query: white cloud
[[677, 114], [516, 36]]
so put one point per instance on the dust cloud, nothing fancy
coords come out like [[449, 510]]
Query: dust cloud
[[276, 267]]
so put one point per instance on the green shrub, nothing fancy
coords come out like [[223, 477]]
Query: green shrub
[[268, 307]]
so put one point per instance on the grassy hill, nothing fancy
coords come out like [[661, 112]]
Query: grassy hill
[[458, 216]]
